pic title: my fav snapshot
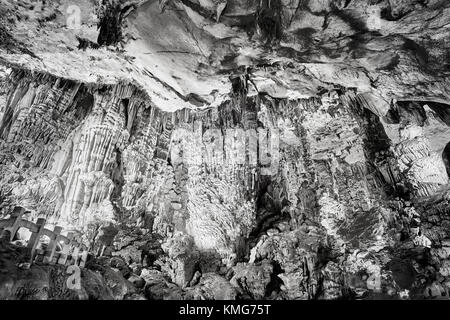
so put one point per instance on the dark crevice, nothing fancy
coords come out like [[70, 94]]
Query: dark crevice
[[275, 283], [414, 112], [199, 9], [268, 19], [353, 21], [411, 112], [270, 210], [392, 116], [376, 140], [84, 104], [418, 51], [110, 25], [377, 149], [84, 44], [119, 181], [446, 158], [403, 272], [125, 105], [441, 109]]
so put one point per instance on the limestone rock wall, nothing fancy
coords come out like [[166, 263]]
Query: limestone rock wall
[[321, 195]]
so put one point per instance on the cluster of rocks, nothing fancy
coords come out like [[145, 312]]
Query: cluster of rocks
[[20, 281]]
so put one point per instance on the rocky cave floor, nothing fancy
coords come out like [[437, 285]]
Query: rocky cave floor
[[228, 149]]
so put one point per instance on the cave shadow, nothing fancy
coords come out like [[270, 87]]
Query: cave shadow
[[446, 158]]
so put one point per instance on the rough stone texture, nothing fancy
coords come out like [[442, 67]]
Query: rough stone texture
[[224, 150], [44, 282], [212, 287], [253, 279]]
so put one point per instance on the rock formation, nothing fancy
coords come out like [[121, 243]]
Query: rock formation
[[231, 149]]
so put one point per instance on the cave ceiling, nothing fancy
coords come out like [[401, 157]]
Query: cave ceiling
[[183, 53]]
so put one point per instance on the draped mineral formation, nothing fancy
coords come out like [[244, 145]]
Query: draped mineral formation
[[229, 149]]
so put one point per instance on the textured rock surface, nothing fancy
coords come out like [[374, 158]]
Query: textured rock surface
[[233, 150], [43, 282]]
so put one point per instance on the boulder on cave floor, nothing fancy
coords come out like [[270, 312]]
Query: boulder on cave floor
[[252, 279], [212, 287]]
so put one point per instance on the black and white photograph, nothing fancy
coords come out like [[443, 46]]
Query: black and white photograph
[[225, 155]]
